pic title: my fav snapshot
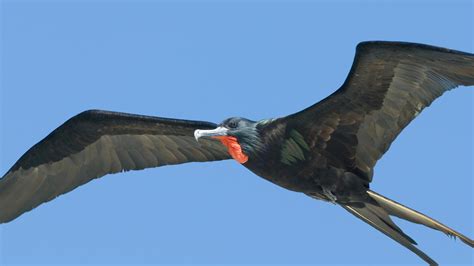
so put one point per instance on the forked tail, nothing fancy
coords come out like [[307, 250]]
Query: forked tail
[[376, 214], [401, 211]]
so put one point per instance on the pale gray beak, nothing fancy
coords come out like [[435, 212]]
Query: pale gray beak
[[219, 131]]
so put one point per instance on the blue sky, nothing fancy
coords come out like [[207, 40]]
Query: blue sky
[[211, 60]]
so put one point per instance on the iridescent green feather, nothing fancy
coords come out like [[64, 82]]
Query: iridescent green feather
[[294, 148]]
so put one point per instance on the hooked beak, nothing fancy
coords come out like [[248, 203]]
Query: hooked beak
[[219, 131]]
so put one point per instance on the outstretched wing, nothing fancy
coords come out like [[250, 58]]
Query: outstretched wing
[[93, 144], [389, 84]]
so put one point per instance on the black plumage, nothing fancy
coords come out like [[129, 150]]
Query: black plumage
[[93, 144], [327, 151]]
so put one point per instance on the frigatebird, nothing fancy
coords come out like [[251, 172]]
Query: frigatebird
[[327, 151]]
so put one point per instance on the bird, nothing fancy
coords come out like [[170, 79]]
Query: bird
[[327, 151]]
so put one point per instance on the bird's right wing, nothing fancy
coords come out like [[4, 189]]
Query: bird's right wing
[[95, 143]]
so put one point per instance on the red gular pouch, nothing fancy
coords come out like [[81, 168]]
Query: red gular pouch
[[234, 148]]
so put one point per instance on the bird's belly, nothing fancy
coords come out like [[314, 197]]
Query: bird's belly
[[346, 186], [290, 181]]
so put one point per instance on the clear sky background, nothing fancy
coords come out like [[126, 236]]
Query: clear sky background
[[210, 60]]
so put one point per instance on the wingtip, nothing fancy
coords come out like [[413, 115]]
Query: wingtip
[[404, 44]]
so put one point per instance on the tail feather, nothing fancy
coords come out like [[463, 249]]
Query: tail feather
[[401, 211], [384, 217], [378, 218]]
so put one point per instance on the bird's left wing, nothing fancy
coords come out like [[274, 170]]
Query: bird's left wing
[[389, 84], [95, 143]]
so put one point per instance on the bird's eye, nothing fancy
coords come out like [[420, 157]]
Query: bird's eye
[[232, 124]]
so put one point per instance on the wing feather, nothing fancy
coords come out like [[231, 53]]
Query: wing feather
[[93, 144], [389, 84]]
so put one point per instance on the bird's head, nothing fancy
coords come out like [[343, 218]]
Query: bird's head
[[239, 135]]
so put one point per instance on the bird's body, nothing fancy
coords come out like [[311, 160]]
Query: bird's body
[[294, 163], [327, 151]]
